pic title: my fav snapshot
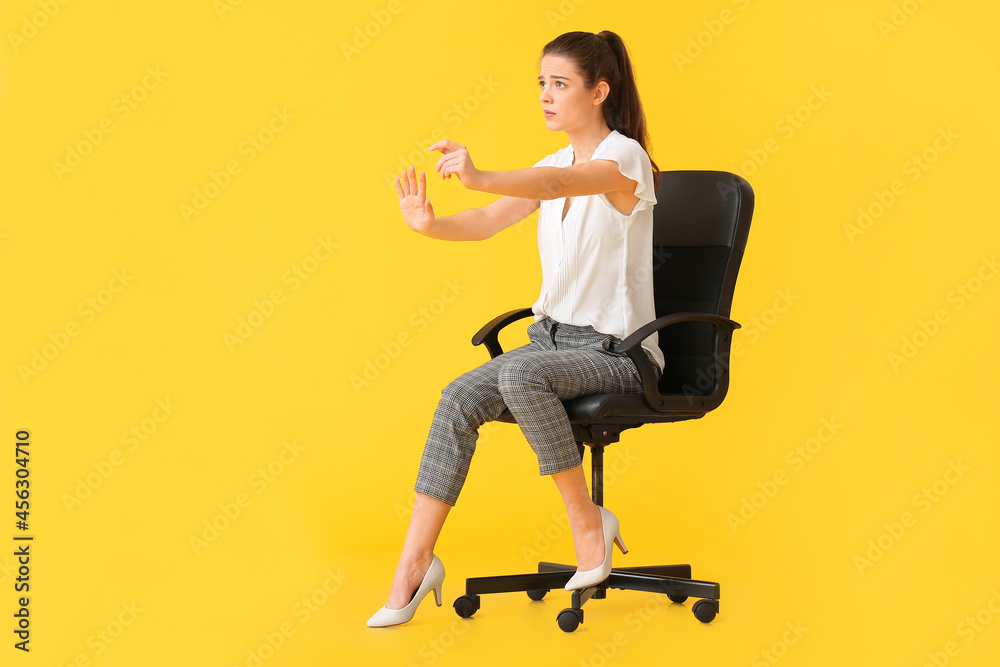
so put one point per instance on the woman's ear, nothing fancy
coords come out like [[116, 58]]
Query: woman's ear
[[601, 91]]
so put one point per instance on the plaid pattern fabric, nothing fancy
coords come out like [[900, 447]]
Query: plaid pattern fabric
[[560, 362]]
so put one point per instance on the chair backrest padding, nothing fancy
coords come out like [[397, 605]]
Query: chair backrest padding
[[700, 225]]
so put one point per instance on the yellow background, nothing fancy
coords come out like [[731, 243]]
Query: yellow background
[[822, 312]]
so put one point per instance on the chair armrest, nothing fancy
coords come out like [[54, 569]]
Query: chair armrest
[[632, 346], [488, 334]]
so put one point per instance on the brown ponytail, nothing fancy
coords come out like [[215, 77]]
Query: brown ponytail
[[604, 56]]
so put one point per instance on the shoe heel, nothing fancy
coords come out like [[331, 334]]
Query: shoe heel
[[437, 595], [621, 545]]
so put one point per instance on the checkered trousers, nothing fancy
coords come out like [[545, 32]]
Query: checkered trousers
[[560, 362]]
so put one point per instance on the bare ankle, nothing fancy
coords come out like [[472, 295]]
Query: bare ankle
[[585, 517], [418, 561]]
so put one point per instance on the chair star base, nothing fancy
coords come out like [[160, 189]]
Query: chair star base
[[674, 581]]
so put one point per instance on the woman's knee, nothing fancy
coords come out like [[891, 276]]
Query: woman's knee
[[467, 400], [521, 372]]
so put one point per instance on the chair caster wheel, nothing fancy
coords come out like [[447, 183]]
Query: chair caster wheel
[[705, 610], [537, 595], [570, 619], [467, 605], [679, 599]]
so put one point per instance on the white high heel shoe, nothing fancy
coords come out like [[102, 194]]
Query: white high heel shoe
[[432, 581], [587, 578]]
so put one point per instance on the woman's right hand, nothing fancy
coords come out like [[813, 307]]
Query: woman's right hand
[[415, 207]]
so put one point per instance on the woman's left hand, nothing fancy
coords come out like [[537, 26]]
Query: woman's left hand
[[456, 160]]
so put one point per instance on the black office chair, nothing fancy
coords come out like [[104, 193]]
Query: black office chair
[[700, 226]]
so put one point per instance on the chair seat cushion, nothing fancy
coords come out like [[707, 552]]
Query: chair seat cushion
[[621, 409]]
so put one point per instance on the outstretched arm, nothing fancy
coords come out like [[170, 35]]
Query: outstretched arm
[[587, 178], [474, 224]]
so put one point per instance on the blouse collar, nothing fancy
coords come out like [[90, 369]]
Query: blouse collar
[[572, 153]]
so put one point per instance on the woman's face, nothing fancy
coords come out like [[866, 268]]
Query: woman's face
[[567, 104]]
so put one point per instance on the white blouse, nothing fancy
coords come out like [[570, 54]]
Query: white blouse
[[597, 264]]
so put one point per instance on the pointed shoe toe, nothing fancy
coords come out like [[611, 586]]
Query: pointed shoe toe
[[432, 581]]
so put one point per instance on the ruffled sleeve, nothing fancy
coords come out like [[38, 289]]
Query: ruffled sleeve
[[634, 163]]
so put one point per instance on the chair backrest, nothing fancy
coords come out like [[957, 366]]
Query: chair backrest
[[700, 225]]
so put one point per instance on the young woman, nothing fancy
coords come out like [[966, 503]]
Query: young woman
[[595, 227]]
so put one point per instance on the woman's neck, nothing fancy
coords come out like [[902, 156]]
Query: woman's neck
[[585, 143]]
